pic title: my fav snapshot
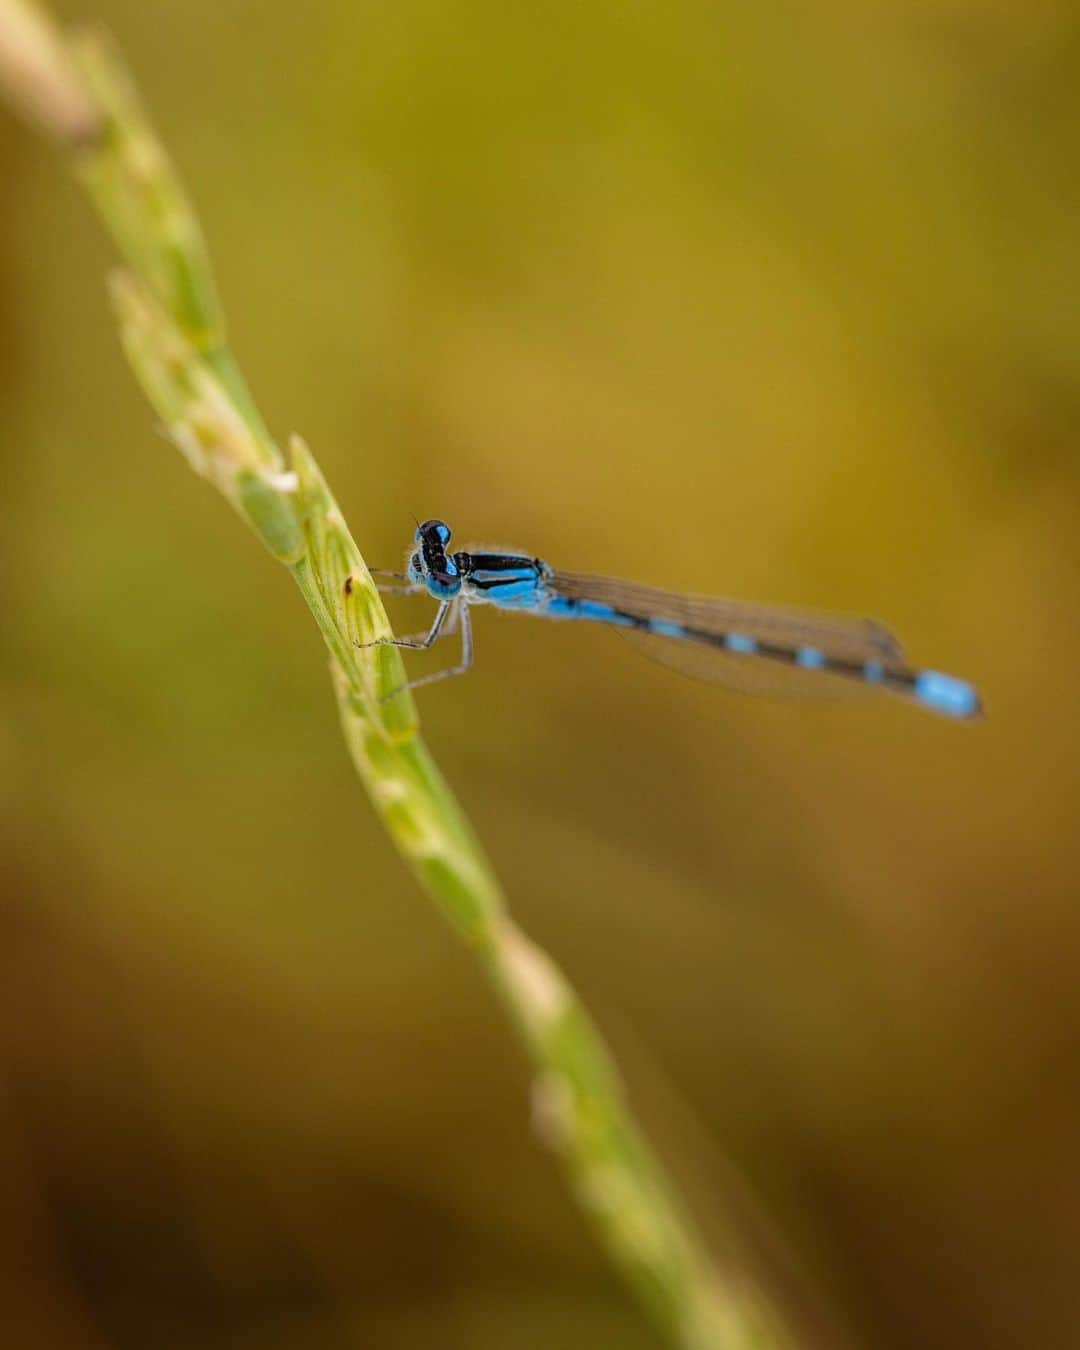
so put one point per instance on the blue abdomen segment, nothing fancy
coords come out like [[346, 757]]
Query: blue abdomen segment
[[560, 607], [946, 694]]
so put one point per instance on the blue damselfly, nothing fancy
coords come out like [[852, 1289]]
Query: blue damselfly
[[756, 648]]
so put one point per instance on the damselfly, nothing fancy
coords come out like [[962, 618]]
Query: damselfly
[[757, 648]]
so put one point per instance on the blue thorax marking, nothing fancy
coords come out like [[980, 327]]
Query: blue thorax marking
[[501, 578]]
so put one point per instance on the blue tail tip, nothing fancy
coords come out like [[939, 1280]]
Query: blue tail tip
[[948, 695]]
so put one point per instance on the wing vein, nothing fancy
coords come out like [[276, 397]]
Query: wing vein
[[839, 636]]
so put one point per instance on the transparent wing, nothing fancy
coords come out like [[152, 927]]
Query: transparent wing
[[840, 636], [745, 674], [852, 641]]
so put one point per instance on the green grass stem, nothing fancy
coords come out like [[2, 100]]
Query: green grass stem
[[172, 328]]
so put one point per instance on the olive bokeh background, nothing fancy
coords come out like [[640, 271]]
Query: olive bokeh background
[[775, 301]]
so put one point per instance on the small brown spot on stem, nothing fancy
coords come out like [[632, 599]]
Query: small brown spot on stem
[[348, 585]]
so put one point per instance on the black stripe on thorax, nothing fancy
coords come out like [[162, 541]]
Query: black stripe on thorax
[[495, 562]]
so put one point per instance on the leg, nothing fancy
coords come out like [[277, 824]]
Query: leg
[[421, 643], [460, 669], [394, 583], [417, 640]]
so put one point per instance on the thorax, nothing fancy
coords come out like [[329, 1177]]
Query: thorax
[[509, 579]]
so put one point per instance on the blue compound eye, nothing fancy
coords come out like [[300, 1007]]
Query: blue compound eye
[[435, 531]]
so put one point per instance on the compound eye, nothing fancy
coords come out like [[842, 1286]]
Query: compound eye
[[434, 529]]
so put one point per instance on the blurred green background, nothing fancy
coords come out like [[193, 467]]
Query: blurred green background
[[775, 301]]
